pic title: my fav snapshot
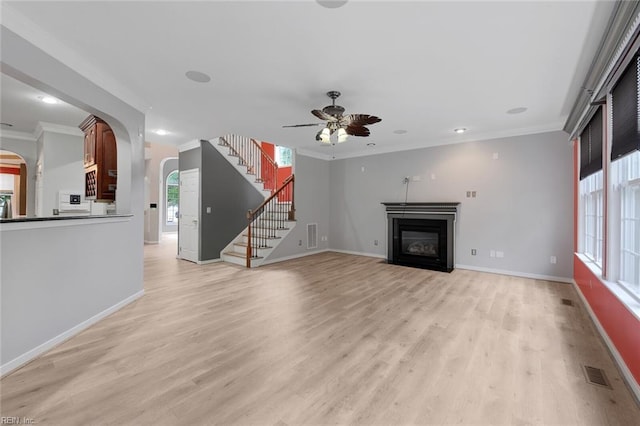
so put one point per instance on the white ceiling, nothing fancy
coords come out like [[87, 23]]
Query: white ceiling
[[426, 67]]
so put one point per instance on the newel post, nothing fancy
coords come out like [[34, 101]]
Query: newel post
[[249, 218]]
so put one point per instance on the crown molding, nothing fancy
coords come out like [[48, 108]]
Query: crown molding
[[13, 134], [43, 126]]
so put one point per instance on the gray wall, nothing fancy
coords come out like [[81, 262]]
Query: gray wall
[[523, 206], [312, 206], [229, 195], [226, 192], [41, 300]]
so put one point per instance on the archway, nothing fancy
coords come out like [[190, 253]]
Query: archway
[[13, 185]]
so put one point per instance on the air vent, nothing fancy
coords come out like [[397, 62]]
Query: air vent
[[595, 376], [312, 235], [567, 302]]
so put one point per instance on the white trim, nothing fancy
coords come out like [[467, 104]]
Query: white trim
[[294, 256], [43, 126], [151, 242], [46, 346], [312, 154], [359, 253], [189, 145], [13, 134], [206, 262], [515, 274], [622, 366], [623, 296]]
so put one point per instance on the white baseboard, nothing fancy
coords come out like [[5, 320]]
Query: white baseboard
[[205, 262], [151, 242], [39, 350], [515, 274], [622, 366], [358, 253], [294, 256]]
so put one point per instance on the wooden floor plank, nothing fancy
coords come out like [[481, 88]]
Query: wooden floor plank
[[327, 339]]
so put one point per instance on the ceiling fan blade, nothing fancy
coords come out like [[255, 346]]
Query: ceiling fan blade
[[323, 115], [359, 120], [305, 125], [357, 130]]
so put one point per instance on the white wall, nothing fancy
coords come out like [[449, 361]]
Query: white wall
[[523, 206], [62, 167], [55, 281]]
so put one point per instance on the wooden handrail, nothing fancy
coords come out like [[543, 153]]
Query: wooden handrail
[[278, 208], [264, 153], [251, 213]]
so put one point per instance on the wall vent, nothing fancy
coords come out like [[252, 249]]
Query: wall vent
[[595, 376], [312, 235]]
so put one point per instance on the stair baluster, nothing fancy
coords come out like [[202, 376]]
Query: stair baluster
[[269, 217]]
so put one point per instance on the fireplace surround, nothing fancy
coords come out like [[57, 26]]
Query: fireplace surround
[[421, 234]]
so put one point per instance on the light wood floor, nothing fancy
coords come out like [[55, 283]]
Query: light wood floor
[[327, 339]]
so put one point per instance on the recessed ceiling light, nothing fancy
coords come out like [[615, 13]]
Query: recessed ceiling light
[[331, 4], [371, 144], [48, 100], [518, 110], [198, 77], [400, 132], [161, 132], [460, 130]]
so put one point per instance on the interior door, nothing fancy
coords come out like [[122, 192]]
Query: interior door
[[188, 226]]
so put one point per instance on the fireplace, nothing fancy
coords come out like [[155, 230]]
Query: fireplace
[[421, 234]]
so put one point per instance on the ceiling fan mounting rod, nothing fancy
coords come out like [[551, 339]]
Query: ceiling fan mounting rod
[[333, 94]]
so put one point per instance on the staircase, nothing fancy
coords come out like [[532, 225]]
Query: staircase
[[270, 222]]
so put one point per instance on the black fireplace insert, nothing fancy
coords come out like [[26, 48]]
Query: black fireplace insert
[[421, 235]]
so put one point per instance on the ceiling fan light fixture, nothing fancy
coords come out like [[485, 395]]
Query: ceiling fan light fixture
[[325, 135], [342, 135]]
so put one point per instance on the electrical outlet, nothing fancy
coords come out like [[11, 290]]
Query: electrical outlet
[[416, 178], [553, 260], [500, 254], [492, 253], [473, 194], [473, 252], [299, 242], [375, 242], [468, 194], [406, 179]]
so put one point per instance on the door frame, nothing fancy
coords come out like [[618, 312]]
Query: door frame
[[181, 222]]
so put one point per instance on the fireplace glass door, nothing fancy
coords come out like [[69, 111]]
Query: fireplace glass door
[[421, 243]]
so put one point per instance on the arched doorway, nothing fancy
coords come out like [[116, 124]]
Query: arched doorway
[[13, 185], [172, 201]]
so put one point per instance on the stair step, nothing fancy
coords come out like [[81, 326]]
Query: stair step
[[240, 255], [243, 244], [270, 237]]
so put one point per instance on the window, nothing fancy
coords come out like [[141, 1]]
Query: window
[[591, 198], [591, 189], [173, 197], [284, 156], [626, 194]]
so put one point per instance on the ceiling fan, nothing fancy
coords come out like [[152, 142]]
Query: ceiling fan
[[344, 125]]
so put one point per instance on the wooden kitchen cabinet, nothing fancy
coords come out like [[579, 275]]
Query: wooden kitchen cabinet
[[100, 160]]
